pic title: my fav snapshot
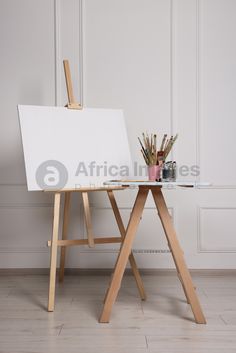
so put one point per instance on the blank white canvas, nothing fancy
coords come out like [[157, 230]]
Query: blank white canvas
[[75, 139]]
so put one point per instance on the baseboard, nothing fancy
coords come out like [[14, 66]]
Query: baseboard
[[107, 272]]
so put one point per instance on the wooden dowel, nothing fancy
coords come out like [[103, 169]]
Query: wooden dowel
[[85, 241]]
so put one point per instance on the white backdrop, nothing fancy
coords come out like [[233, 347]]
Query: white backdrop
[[170, 64]]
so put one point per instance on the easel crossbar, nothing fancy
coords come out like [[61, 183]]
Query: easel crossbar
[[72, 242]]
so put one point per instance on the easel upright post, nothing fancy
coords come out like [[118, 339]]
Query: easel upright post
[[72, 104]]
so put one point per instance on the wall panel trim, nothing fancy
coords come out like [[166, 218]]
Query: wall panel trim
[[198, 97], [200, 248]]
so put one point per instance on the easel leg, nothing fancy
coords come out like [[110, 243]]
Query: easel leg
[[179, 276], [137, 276], [88, 221], [124, 254], [53, 263], [132, 261], [64, 235], [177, 254]]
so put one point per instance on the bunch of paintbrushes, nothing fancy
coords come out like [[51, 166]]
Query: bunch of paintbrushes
[[151, 154]]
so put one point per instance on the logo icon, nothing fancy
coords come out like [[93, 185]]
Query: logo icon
[[51, 174]]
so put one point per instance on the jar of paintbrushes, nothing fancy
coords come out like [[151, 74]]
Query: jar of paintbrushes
[[155, 158]]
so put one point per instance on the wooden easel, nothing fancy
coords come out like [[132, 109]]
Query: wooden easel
[[91, 239]]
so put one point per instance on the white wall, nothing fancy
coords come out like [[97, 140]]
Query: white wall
[[170, 64]]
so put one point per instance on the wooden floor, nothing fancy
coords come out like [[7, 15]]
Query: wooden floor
[[162, 324]]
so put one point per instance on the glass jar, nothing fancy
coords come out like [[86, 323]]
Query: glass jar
[[169, 171]]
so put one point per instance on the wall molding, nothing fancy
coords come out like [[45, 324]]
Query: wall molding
[[198, 98], [81, 249], [81, 51], [107, 272], [171, 65], [197, 122], [13, 184], [57, 68], [23, 205], [95, 206], [58, 60], [200, 247], [58, 50], [135, 251], [57, 45], [24, 250]]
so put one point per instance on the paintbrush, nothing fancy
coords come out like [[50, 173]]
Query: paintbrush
[[144, 140], [155, 143], [149, 148], [143, 149], [170, 145], [163, 142], [145, 158]]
